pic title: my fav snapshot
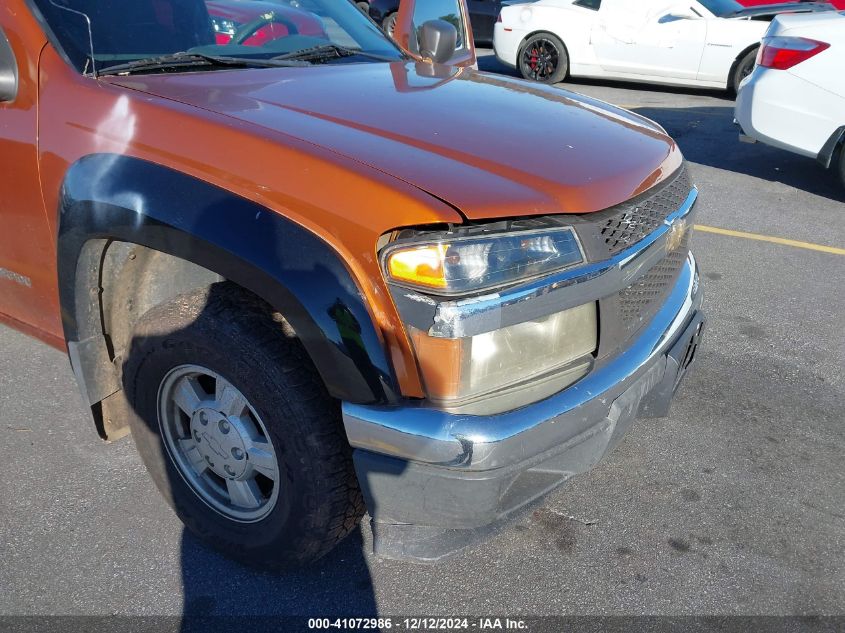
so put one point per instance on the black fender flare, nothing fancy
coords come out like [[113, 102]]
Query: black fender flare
[[107, 197]]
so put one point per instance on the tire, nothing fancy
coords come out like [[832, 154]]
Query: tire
[[364, 6], [388, 25], [842, 164], [225, 336], [744, 67], [543, 58]]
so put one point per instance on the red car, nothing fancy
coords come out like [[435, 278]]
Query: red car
[[839, 4], [230, 16]]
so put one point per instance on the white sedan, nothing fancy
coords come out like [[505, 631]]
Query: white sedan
[[795, 98], [705, 43]]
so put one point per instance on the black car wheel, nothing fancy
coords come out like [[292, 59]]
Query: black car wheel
[[744, 68], [543, 58], [238, 431]]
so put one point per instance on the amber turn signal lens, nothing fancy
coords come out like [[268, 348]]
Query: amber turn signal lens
[[421, 266]]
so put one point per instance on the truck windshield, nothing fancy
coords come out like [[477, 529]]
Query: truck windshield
[[125, 35], [722, 8]]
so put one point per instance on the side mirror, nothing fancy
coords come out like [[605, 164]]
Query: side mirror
[[436, 31], [8, 71], [438, 40]]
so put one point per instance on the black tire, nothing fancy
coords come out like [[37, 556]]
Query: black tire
[[842, 164], [543, 58], [743, 68], [388, 25], [364, 6], [234, 334]]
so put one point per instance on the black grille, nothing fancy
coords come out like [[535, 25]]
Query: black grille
[[633, 220], [639, 302]]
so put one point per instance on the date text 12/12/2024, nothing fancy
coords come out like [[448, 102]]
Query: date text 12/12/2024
[[418, 624]]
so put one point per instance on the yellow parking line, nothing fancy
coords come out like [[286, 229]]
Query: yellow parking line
[[768, 238]]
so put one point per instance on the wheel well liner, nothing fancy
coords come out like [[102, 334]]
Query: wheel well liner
[[110, 203]]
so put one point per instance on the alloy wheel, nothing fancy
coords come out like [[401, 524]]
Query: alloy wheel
[[540, 59], [218, 443]]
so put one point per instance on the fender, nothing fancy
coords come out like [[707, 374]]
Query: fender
[[110, 197]]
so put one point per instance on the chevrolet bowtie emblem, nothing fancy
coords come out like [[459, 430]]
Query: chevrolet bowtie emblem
[[675, 237]]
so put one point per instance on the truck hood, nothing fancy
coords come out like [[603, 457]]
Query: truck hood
[[488, 145], [770, 10]]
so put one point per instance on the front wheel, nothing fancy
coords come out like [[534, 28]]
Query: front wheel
[[237, 430], [744, 68], [543, 58]]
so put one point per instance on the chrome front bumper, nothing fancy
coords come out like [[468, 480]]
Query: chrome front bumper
[[432, 479]]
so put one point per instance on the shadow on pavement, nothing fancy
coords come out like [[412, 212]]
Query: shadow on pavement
[[215, 586], [708, 136]]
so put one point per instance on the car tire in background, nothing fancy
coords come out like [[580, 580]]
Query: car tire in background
[[389, 24], [543, 58], [743, 68], [364, 6], [841, 166], [236, 428]]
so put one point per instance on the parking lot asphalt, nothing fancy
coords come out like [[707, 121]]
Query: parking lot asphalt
[[735, 504]]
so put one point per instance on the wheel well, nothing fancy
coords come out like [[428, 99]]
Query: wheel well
[[136, 278], [129, 280], [738, 59]]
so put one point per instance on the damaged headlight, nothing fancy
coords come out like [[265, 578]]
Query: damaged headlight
[[467, 264], [510, 366]]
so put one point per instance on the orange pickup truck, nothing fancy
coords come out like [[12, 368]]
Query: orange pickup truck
[[334, 272]]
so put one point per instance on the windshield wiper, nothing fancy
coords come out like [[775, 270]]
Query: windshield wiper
[[329, 51], [194, 60]]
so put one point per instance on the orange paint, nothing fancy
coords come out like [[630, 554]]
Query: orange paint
[[350, 152]]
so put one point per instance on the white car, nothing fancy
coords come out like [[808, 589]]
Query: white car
[[705, 43], [795, 98]]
